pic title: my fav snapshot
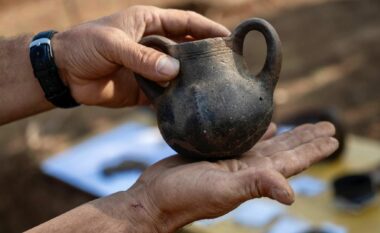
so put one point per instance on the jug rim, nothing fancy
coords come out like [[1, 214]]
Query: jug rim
[[201, 41]]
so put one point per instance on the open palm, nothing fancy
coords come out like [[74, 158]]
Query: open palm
[[184, 190]]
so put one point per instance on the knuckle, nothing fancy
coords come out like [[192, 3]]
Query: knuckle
[[318, 147], [261, 182], [139, 57], [108, 40], [324, 147], [145, 58], [192, 14], [107, 35]]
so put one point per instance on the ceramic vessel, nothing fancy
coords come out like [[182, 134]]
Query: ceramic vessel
[[215, 108]]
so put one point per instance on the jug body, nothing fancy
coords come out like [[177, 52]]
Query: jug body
[[215, 108]]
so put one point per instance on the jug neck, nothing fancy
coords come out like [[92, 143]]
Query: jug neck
[[199, 49]]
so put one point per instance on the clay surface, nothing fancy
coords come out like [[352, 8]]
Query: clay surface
[[215, 108]]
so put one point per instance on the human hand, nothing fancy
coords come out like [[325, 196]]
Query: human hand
[[178, 190], [97, 59]]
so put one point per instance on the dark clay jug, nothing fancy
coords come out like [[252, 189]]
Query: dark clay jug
[[215, 108]]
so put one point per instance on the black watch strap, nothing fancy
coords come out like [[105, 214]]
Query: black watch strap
[[46, 71]]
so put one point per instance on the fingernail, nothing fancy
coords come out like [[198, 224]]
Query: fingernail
[[282, 196], [226, 32], [167, 66]]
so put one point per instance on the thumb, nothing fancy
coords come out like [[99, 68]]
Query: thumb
[[148, 62], [264, 183]]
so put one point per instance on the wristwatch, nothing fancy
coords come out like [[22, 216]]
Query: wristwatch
[[46, 71]]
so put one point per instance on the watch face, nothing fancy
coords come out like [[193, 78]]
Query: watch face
[[40, 57]]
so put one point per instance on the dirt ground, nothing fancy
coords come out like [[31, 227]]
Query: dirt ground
[[331, 60]]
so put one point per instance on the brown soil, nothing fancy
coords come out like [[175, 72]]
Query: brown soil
[[331, 59]]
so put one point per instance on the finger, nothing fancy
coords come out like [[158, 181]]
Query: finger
[[264, 183], [116, 90], [294, 138], [125, 91], [148, 62], [296, 160], [271, 131], [174, 23]]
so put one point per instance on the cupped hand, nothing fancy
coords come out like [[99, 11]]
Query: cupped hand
[[178, 190], [97, 59]]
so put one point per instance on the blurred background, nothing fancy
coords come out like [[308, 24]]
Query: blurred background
[[331, 58]]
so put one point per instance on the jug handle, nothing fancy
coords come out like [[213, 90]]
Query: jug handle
[[272, 67], [151, 89]]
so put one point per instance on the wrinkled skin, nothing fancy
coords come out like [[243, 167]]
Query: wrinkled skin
[[181, 190]]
